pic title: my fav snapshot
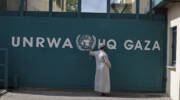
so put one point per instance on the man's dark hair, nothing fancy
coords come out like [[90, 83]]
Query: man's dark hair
[[102, 47]]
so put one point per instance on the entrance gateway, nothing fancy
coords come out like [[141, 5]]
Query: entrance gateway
[[51, 52]]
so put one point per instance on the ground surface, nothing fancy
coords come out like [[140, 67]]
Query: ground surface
[[31, 94]]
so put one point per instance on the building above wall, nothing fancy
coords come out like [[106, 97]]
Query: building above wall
[[162, 3], [160, 6]]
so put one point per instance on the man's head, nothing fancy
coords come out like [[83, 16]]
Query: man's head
[[102, 47]]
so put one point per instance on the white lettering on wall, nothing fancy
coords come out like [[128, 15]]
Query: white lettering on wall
[[111, 44], [131, 45], [40, 42], [128, 45], [156, 46], [101, 43], [147, 45], [67, 43], [54, 42], [17, 44], [28, 42], [138, 45]]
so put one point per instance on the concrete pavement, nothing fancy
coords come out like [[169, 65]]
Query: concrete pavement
[[78, 95]]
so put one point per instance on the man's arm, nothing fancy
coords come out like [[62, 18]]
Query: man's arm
[[92, 53]]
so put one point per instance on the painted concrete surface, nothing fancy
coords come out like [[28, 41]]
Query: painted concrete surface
[[173, 76], [78, 95]]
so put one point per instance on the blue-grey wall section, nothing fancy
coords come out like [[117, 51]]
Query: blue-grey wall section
[[133, 70]]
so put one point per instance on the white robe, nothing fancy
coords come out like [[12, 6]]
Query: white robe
[[102, 77]]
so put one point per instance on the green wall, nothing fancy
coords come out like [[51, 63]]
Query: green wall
[[132, 70]]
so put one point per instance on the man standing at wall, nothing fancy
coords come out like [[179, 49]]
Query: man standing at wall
[[102, 77]]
